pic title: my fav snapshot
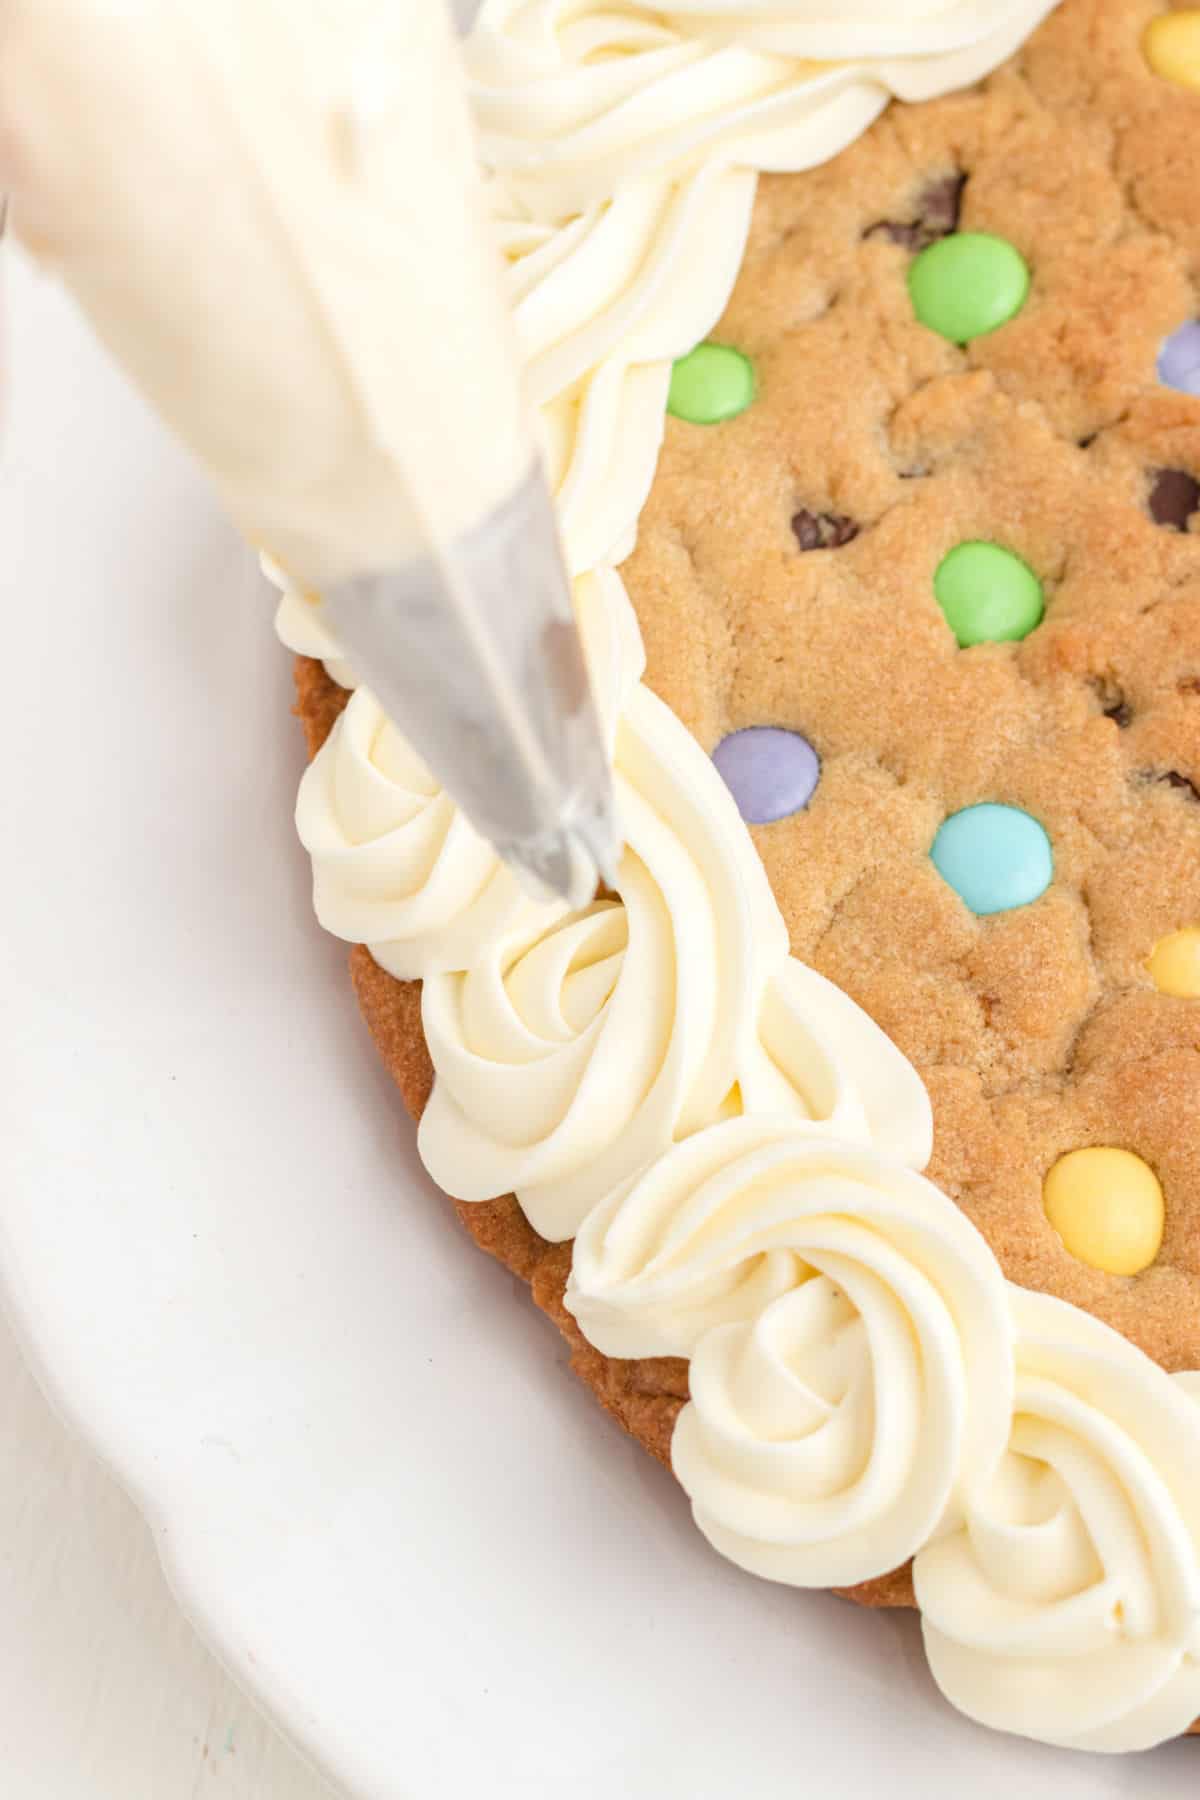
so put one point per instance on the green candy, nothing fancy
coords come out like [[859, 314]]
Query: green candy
[[711, 383], [988, 595], [968, 284]]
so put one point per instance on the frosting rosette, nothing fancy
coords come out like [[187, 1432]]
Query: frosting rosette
[[568, 1061], [1067, 1605], [396, 865], [849, 1336], [301, 629]]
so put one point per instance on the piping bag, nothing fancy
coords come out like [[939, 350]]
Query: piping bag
[[271, 212]]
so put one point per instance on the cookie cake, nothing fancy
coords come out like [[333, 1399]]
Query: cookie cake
[[853, 1141]]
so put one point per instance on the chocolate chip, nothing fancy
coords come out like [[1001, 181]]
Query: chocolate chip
[[941, 203], [1113, 703], [823, 531], [1085, 443], [938, 208], [1174, 497], [907, 236], [1172, 778], [1188, 684]]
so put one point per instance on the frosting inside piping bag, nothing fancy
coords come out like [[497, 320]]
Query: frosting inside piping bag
[[327, 176]]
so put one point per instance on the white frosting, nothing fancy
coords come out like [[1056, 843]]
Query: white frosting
[[396, 865], [693, 1010], [849, 1337], [574, 102], [300, 627], [1067, 1605]]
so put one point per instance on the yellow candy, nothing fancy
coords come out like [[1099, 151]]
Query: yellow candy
[[1172, 47], [1175, 964], [1107, 1207]]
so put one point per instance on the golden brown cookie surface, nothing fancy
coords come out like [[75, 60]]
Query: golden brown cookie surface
[[1038, 1030]]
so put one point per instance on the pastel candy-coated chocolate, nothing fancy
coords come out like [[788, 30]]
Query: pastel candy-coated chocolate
[[711, 383], [1107, 1207], [994, 857], [770, 772], [1179, 358], [1171, 45], [1175, 964], [988, 595], [968, 284]]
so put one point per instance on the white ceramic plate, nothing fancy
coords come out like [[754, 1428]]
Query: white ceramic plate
[[376, 1490]]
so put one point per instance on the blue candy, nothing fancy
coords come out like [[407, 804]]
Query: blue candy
[[769, 772], [994, 857]]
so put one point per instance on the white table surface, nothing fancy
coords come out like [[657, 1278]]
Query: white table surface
[[105, 1691]]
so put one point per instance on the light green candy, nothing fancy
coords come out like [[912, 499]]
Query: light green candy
[[968, 284], [988, 595], [711, 383]]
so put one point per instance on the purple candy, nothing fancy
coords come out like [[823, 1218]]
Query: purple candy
[[769, 772], [1179, 359]]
